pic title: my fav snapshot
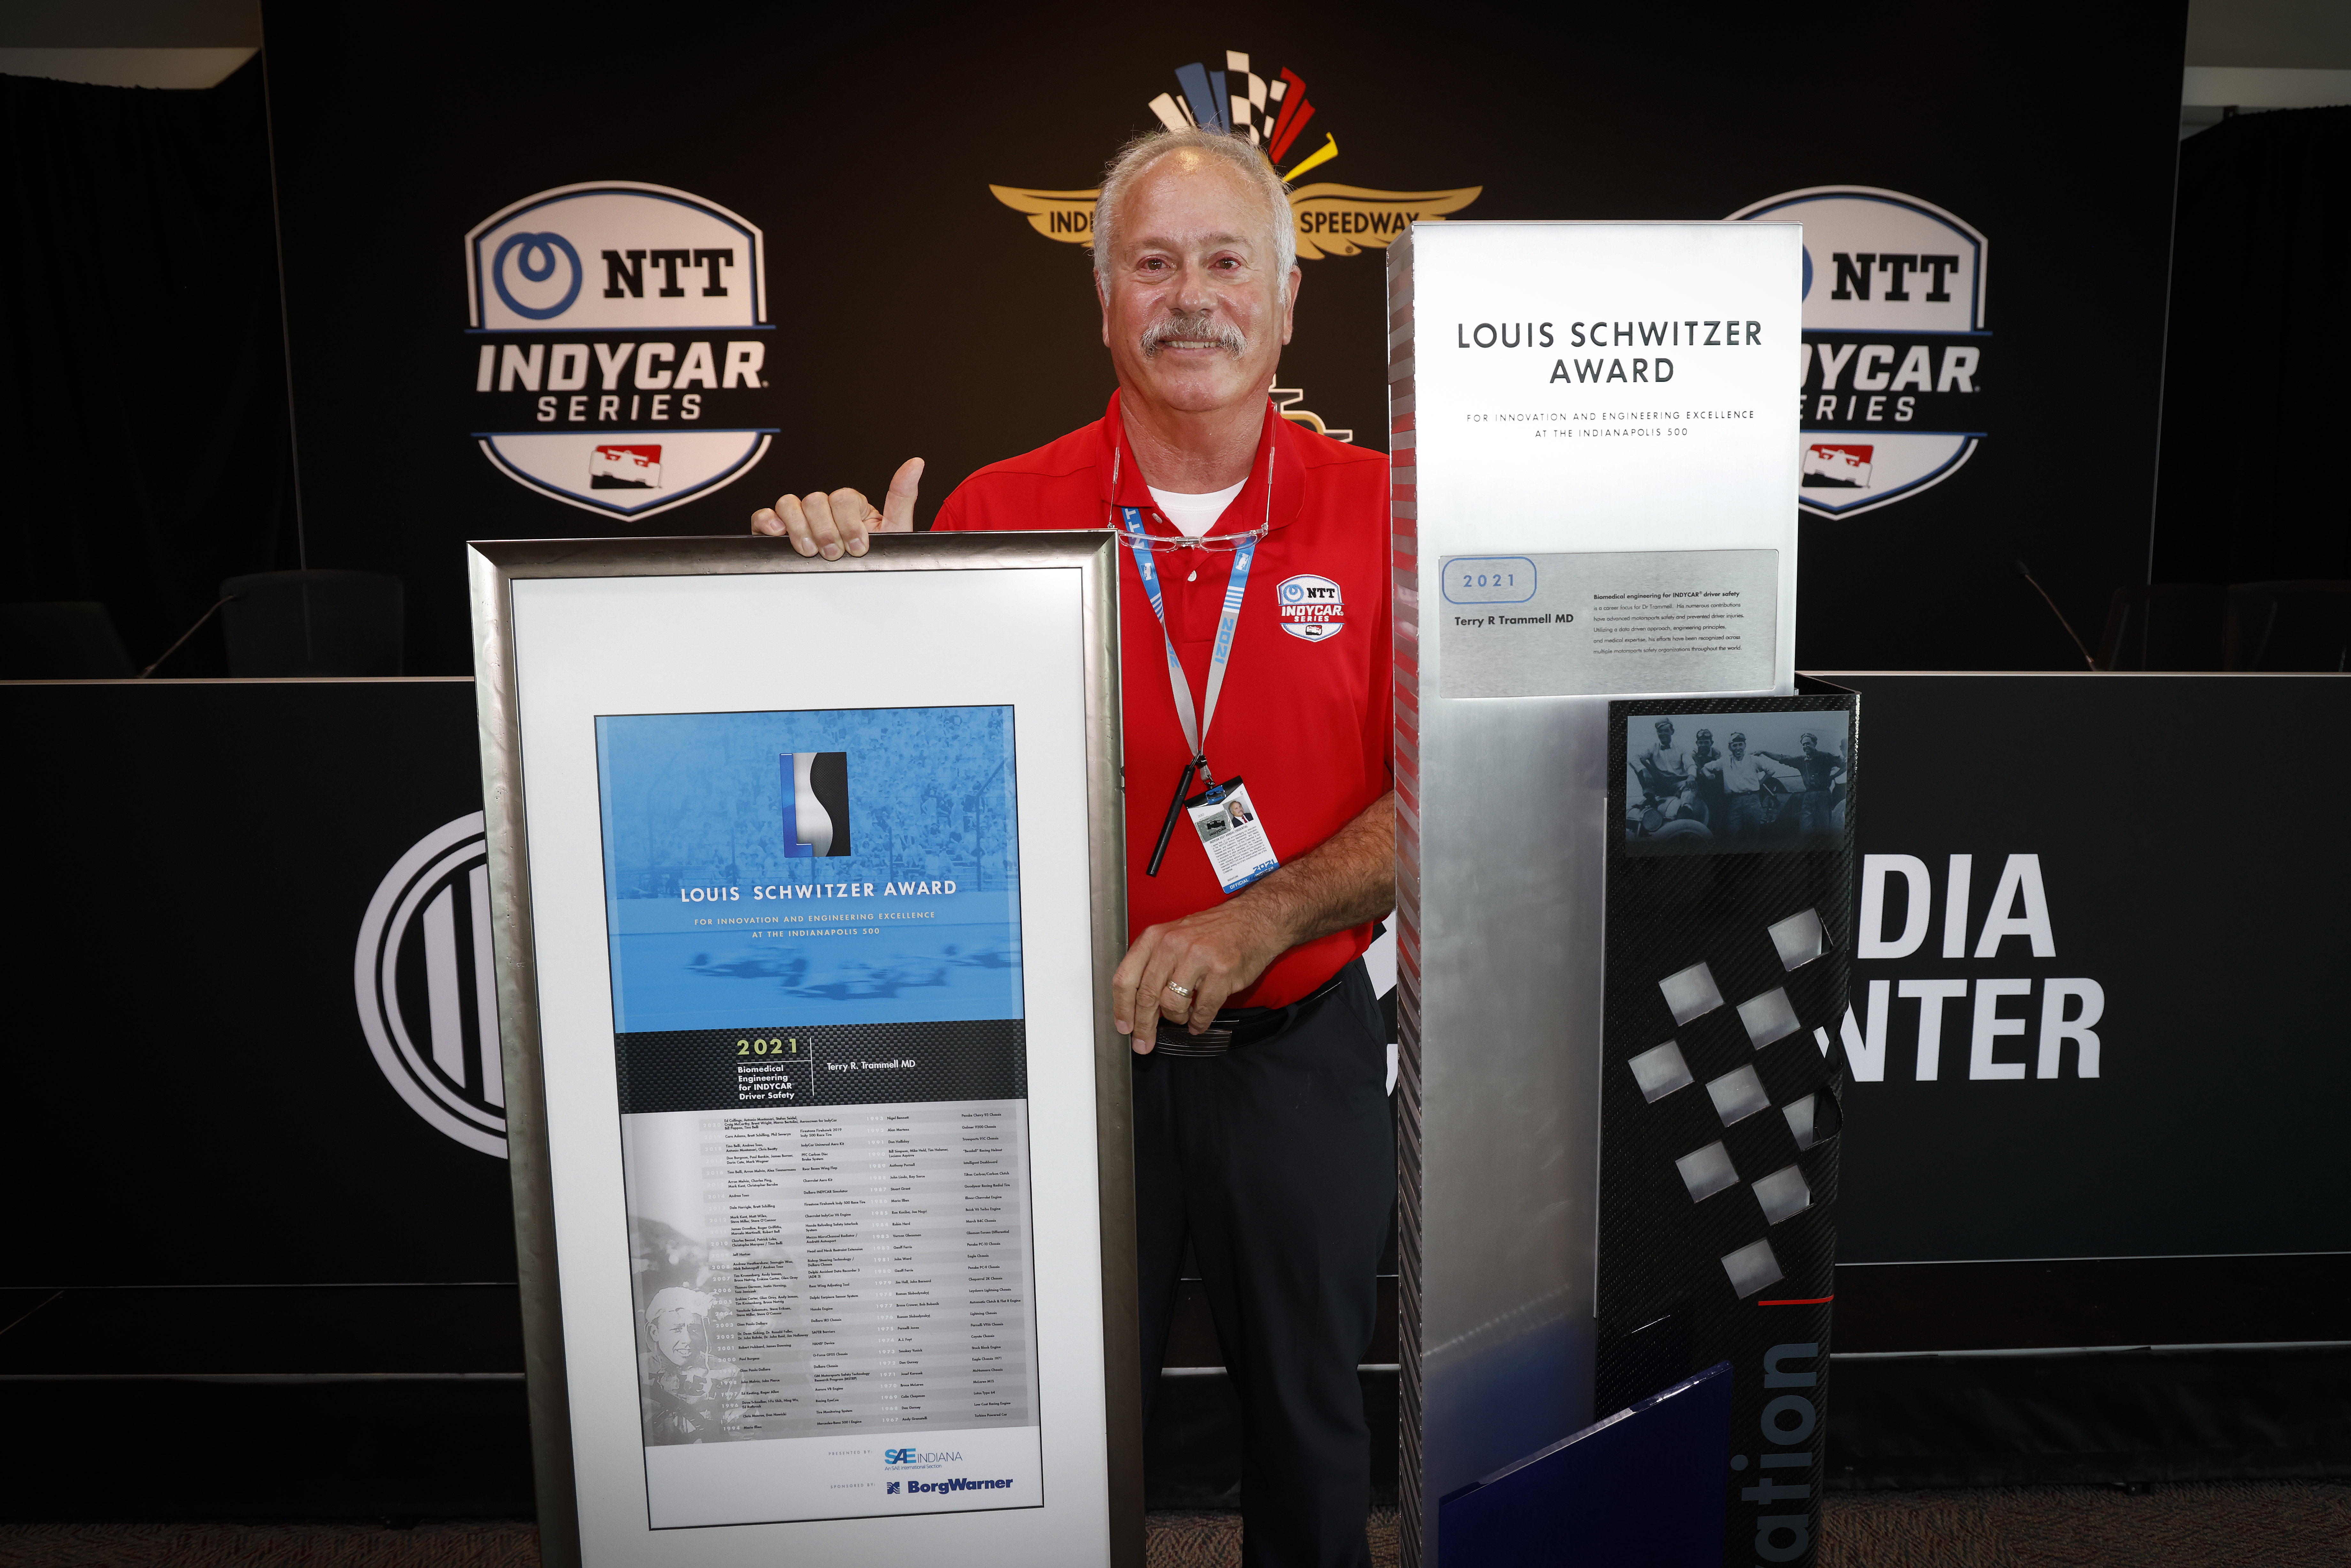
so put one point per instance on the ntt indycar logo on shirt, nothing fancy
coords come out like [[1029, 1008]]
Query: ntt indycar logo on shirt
[[1310, 607], [618, 340]]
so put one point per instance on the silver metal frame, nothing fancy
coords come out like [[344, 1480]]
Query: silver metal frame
[[493, 566]]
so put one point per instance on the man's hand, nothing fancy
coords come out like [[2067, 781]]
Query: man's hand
[[837, 524], [1346, 879], [1212, 954]]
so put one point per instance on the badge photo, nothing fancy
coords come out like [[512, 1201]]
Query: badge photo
[[1226, 822]]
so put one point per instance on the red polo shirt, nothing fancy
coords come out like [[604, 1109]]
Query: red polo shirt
[[1304, 715]]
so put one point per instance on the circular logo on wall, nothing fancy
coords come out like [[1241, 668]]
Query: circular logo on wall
[[427, 991], [1894, 343], [619, 338]]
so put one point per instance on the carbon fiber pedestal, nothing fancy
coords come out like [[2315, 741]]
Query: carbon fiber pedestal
[[1729, 878]]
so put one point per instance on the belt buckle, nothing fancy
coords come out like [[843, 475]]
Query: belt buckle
[[1210, 1041]]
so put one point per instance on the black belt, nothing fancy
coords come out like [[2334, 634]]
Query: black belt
[[1239, 1026]]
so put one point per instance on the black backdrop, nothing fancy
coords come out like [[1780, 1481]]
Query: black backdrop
[[916, 313], [2247, 399], [144, 384], [195, 860], [2209, 919], [191, 1100]]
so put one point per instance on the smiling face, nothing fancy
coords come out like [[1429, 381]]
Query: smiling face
[[1195, 308], [673, 1335]]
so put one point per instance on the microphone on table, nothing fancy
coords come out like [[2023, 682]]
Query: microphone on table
[[186, 635], [2025, 572]]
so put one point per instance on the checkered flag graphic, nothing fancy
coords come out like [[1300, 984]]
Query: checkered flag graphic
[[1768, 1018], [1271, 112]]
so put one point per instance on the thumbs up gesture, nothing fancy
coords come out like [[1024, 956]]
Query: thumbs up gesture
[[839, 523]]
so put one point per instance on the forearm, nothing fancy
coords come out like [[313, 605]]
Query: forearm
[[1184, 970], [1345, 880]]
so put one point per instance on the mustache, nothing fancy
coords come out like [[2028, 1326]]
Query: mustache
[[1192, 327]]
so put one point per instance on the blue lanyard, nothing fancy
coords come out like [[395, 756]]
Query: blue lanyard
[[1196, 730]]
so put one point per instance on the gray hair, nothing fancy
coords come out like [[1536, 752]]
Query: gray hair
[[1133, 160]]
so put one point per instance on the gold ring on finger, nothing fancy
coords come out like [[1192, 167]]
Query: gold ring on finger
[[1183, 991]]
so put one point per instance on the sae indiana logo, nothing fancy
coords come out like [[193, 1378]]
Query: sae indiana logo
[[1893, 344], [620, 340], [427, 992]]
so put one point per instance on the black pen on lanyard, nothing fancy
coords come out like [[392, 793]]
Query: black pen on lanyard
[[1175, 809]]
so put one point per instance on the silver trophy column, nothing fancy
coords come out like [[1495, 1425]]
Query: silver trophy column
[[1502, 819]]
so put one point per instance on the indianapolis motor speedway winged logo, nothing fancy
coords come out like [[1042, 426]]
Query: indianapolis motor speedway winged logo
[[1274, 114]]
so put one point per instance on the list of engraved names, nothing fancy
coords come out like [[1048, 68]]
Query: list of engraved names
[[877, 1261]]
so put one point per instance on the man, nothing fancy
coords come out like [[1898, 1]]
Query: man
[[1742, 788], [1819, 770], [1706, 788], [1262, 1122], [1663, 772], [684, 1399]]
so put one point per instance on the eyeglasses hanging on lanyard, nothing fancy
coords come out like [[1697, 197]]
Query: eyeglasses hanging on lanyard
[[1195, 729], [1136, 538]]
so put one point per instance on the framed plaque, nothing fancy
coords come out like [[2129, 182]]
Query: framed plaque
[[805, 888]]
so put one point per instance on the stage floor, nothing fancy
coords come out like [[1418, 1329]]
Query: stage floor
[[2222, 1525]]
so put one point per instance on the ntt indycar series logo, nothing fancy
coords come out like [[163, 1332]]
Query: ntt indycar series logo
[[1893, 380], [1310, 607], [620, 339]]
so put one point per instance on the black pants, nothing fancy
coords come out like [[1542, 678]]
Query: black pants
[[1277, 1160]]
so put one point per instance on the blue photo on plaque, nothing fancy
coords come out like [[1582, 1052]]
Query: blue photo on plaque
[[834, 866]]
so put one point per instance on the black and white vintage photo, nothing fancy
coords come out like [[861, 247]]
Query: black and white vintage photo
[[1727, 783]]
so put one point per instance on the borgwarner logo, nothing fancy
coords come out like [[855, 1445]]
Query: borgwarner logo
[[428, 994], [620, 341], [1893, 374]]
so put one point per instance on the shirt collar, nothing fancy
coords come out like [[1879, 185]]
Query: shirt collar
[[1115, 454]]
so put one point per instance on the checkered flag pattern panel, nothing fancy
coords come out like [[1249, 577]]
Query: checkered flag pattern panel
[[1727, 977]]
